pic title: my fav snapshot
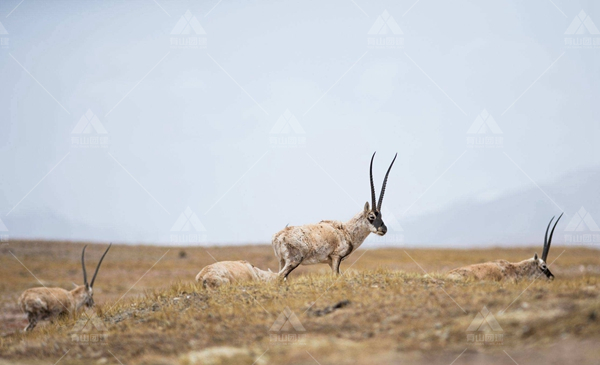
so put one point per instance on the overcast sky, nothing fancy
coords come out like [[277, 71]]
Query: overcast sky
[[116, 117]]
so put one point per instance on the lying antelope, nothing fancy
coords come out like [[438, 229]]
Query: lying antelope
[[329, 241], [227, 272], [502, 269], [48, 303]]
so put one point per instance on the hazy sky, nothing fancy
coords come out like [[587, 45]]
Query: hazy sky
[[115, 117]]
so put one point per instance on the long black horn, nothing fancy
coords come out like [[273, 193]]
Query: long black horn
[[85, 282], [372, 185], [545, 249], [98, 267], [550, 238], [385, 183]]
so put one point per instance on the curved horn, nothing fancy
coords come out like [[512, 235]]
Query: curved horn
[[550, 239], [372, 185], [385, 183], [545, 249], [85, 282], [98, 267]]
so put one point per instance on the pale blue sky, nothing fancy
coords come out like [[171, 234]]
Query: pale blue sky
[[190, 127]]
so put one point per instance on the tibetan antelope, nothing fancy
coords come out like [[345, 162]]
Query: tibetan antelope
[[329, 241], [502, 269], [48, 303], [227, 272]]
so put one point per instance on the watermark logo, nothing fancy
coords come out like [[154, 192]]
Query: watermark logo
[[583, 32], [188, 229], [484, 132], [582, 229], [89, 330], [3, 234], [287, 329], [287, 132], [395, 233], [485, 329], [3, 37], [89, 132], [385, 33], [188, 33]]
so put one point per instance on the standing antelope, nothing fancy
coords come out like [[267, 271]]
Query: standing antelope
[[48, 303], [329, 241], [502, 269]]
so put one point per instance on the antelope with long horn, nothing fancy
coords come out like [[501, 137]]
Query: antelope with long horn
[[329, 241], [501, 269], [47, 303]]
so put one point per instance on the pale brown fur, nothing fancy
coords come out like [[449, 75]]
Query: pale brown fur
[[49, 303], [532, 268], [501, 270], [330, 242], [228, 272], [327, 242]]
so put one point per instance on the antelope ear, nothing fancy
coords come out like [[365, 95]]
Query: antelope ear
[[535, 257], [367, 207]]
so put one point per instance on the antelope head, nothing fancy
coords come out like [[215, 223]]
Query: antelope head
[[373, 213], [84, 294], [540, 262]]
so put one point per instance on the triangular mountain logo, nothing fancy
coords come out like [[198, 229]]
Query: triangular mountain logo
[[483, 124], [3, 227], [484, 322], [286, 321], [582, 23], [385, 24], [582, 221], [2, 30], [391, 221], [88, 123], [89, 329], [286, 124], [186, 24], [188, 221]]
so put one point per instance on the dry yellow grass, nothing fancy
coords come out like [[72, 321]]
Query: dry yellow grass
[[389, 311]]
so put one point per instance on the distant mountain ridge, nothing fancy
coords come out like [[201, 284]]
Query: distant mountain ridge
[[513, 219], [516, 218]]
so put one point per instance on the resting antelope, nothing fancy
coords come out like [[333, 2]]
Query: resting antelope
[[502, 269], [48, 303], [227, 272], [329, 241]]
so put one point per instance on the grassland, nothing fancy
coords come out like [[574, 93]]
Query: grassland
[[383, 310]]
